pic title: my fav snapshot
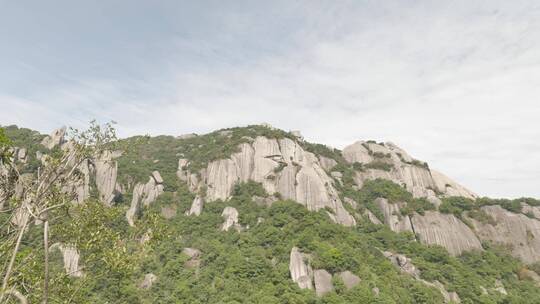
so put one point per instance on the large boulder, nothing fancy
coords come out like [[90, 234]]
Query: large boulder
[[106, 170], [56, 138], [301, 272], [71, 259], [323, 282], [143, 195], [196, 206], [230, 214], [350, 280]]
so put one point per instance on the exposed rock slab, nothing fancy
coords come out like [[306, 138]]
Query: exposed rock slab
[[350, 280], [446, 230], [196, 206], [301, 272], [230, 214], [71, 259], [56, 138], [323, 282], [519, 232], [143, 195], [392, 215], [281, 166], [106, 173]]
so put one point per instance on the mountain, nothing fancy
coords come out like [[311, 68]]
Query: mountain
[[259, 215]]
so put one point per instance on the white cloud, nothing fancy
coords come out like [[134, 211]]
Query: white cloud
[[454, 84]]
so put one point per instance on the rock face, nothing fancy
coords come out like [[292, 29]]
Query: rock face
[[148, 281], [350, 280], [301, 272], [281, 166], [517, 230], [194, 257], [435, 228], [405, 265], [106, 172], [323, 282], [144, 194], [417, 178], [393, 217], [55, 139], [196, 206], [230, 215], [71, 259]]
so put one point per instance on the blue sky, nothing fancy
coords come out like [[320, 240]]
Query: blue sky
[[454, 83]]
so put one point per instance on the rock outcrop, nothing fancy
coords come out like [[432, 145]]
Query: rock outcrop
[[405, 265], [230, 215], [446, 230], [517, 231], [55, 139], [323, 282], [194, 257], [148, 281], [393, 217], [416, 176], [106, 170], [144, 195], [196, 206], [71, 259], [350, 280], [301, 272], [281, 166]]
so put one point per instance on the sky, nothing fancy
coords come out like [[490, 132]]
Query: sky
[[454, 83]]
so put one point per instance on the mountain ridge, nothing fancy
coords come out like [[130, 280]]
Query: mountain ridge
[[366, 185]]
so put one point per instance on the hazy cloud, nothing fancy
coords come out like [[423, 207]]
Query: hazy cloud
[[456, 84]]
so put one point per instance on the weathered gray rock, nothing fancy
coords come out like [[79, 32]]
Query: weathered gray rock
[[55, 139], [148, 281], [168, 212], [106, 173], [371, 217], [351, 202], [418, 179], [157, 177], [392, 215], [192, 253], [263, 201], [350, 280], [196, 206], [143, 195], [446, 230], [403, 263], [327, 163], [357, 152], [71, 259], [22, 155], [301, 272], [230, 214], [194, 257], [499, 287], [323, 282], [530, 210], [280, 166], [517, 231]]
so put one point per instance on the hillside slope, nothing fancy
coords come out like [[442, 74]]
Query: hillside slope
[[258, 215]]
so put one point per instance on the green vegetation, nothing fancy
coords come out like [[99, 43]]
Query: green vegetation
[[379, 165], [251, 266]]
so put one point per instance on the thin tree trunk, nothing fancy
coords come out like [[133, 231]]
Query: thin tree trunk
[[46, 248], [13, 256]]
